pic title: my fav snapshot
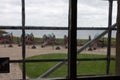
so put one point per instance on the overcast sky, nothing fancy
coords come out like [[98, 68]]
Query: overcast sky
[[91, 13]]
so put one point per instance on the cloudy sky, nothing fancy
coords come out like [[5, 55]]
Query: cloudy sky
[[55, 12], [91, 13]]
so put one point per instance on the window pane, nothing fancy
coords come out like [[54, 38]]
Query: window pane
[[47, 12], [9, 45], [93, 13], [10, 12]]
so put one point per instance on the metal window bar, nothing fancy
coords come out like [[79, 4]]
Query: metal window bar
[[23, 28], [23, 41], [72, 40], [109, 36], [57, 60], [52, 28]]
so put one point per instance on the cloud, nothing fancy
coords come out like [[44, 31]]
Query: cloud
[[10, 12], [47, 13], [92, 13], [54, 13]]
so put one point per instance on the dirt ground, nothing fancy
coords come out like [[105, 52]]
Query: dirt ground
[[15, 53]]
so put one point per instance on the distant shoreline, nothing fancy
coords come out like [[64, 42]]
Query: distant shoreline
[[81, 34]]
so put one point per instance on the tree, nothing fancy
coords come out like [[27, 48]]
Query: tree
[[118, 40]]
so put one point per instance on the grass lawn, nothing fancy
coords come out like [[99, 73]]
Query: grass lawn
[[34, 70]]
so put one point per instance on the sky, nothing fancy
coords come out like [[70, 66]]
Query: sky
[[91, 13]]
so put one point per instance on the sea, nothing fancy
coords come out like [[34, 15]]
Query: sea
[[81, 34]]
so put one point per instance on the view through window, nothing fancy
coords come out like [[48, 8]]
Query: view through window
[[34, 36]]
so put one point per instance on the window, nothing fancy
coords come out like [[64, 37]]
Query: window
[[28, 23]]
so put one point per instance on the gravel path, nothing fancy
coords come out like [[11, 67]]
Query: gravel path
[[15, 53]]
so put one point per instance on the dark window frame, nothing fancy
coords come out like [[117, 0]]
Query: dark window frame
[[72, 42]]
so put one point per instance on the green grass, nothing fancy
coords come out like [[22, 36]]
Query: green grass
[[34, 70]]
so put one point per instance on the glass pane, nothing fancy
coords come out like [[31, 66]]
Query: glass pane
[[46, 48], [92, 13], [9, 44], [94, 67], [47, 12], [91, 68], [35, 70], [114, 12], [46, 42], [10, 12]]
